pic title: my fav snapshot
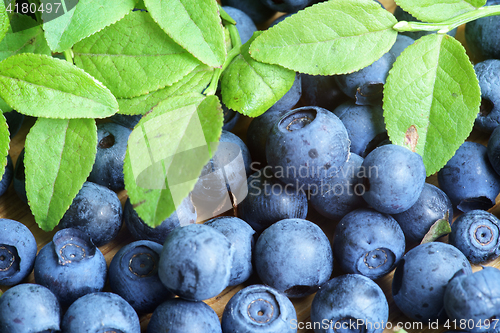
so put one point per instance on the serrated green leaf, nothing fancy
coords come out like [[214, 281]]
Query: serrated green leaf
[[4, 20], [134, 57], [251, 87], [193, 24], [24, 41], [438, 11], [59, 156], [41, 86], [4, 142], [332, 37], [83, 20], [194, 82], [4, 106], [431, 99], [167, 151]]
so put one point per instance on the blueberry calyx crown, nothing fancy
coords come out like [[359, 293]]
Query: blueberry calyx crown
[[143, 264], [294, 121], [9, 260], [73, 245]]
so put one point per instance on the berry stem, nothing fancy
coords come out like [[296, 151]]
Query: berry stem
[[445, 26], [68, 54], [212, 87]]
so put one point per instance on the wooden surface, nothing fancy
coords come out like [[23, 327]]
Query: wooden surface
[[12, 207]]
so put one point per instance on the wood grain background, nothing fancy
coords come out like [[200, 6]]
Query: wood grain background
[[12, 207]]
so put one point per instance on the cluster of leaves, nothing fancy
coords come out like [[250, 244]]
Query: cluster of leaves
[[166, 63]]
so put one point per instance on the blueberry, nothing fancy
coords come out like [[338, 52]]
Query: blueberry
[[133, 274], [259, 309], [432, 205], [477, 234], [493, 150], [341, 193], [14, 121], [421, 277], [231, 117], [244, 23], [181, 316], [269, 201], [475, 299], [100, 312], [469, 179], [184, 215], [394, 177], [367, 84], [483, 36], [223, 178], [293, 256], [70, 266], [29, 308], [402, 42], [124, 120], [7, 176], [364, 124], [97, 211], [350, 303], [287, 6], [258, 131], [111, 148], [195, 262], [292, 96], [306, 146], [402, 15], [17, 252], [369, 243], [253, 8], [19, 179], [241, 236], [488, 74], [322, 91]]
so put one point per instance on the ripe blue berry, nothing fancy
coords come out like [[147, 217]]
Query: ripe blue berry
[[293, 256], [70, 266], [17, 252], [259, 309], [195, 262], [350, 303], [477, 234]]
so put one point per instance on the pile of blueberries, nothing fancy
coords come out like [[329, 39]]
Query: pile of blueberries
[[331, 157]]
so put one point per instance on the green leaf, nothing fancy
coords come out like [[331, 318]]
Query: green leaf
[[140, 5], [438, 11], [193, 24], [4, 20], [431, 99], [332, 37], [4, 142], [439, 229], [59, 156], [24, 41], [134, 57], [4, 106], [41, 86], [251, 87], [194, 82], [83, 20], [167, 151]]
